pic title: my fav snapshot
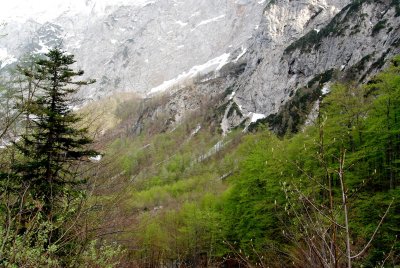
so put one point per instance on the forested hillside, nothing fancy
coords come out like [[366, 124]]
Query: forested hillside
[[327, 196], [101, 187]]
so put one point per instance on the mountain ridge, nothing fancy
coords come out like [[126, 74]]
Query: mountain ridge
[[283, 49], [138, 48], [281, 79]]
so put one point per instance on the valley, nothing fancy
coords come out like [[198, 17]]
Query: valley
[[217, 134]]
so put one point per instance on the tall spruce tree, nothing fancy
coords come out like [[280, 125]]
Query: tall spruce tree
[[54, 144]]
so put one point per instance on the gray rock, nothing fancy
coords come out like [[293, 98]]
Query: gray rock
[[135, 48], [270, 49], [295, 43]]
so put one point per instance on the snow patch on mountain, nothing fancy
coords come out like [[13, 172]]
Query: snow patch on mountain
[[5, 58], [326, 89], [254, 117], [43, 48], [212, 65], [181, 23], [244, 50], [136, 45], [204, 22], [231, 95]]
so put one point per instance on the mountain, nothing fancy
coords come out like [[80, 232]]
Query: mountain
[[249, 60], [132, 47], [279, 75], [185, 172]]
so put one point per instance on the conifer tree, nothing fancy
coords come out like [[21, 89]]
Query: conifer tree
[[54, 143]]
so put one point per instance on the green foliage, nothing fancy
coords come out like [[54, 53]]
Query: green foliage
[[271, 2], [261, 197], [360, 121], [41, 185], [354, 71], [396, 5], [52, 141], [368, 211], [336, 27], [179, 235], [30, 249], [228, 91], [383, 123], [234, 108], [313, 39], [251, 217], [294, 112], [378, 27], [101, 254]]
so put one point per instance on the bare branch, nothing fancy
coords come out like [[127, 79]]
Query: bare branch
[[376, 230]]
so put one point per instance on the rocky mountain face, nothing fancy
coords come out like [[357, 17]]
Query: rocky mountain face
[[234, 62], [299, 49], [353, 45], [135, 47]]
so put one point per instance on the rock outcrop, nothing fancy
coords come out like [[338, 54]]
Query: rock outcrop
[[134, 47], [299, 48], [240, 61]]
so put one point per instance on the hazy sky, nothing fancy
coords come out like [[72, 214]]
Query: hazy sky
[[43, 10]]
